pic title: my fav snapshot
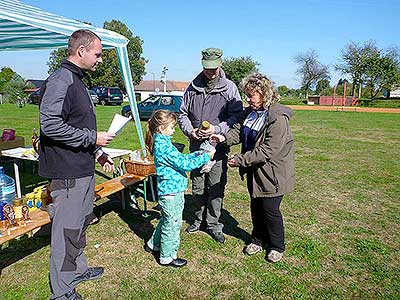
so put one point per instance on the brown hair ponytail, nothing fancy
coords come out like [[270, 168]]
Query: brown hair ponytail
[[160, 119]]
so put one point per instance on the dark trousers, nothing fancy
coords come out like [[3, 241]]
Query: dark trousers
[[208, 194], [268, 222]]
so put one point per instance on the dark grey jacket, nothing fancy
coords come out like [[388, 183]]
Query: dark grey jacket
[[222, 107], [270, 165], [67, 125]]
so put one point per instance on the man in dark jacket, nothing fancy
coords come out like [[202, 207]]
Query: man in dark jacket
[[68, 144], [214, 98]]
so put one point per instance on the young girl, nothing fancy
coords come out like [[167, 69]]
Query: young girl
[[171, 166]]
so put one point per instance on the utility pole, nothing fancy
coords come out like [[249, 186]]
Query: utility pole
[[154, 82], [164, 77]]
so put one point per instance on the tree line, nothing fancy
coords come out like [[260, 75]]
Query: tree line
[[368, 71], [366, 66]]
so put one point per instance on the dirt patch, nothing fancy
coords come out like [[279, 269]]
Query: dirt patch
[[346, 108]]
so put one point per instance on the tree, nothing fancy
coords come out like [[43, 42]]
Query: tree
[[322, 84], [382, 70], [108, 73], [6, 74], [238, 68], [310, 69], [14, 89], [354, 62], [283, 90]]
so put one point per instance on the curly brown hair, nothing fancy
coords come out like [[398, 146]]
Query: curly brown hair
[[258, 82]]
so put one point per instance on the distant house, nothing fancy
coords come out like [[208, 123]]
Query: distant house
[[395, 93], [36, 83], [147, 88]]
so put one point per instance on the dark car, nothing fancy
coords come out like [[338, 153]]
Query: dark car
[[94, 97], [108, 95], [155, 102], [33, 97]]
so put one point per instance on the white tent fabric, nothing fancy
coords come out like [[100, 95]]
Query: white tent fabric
[[24, 27]]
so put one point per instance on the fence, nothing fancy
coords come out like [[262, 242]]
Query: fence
[[334, 101]]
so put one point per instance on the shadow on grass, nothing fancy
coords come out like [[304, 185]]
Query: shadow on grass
[[138, 220], [24, 246], [231, 226], [17, 249]]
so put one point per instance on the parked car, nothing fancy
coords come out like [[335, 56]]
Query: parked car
[[109, 95], [33, 97], [95, 98], [155, 102]]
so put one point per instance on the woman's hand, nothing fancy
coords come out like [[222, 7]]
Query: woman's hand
[[231, 161], [217, 138]]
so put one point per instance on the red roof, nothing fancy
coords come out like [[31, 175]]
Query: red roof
[[150, 85]]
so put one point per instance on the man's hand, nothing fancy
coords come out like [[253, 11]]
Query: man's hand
[[104, 138], [217, 138], [205, 133], [194, 134], [106, 162]]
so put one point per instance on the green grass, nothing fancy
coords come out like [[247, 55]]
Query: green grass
[[385, 103], [342, 225]]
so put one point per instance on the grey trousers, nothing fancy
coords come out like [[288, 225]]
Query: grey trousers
[[208, 194], [73, 211]]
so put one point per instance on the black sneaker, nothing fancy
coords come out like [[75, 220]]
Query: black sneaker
[[193, 228], [176, 263], [149, 250], [217, 236], [73, 295], [91, 274]]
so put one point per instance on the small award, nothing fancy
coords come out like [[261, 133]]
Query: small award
[[9, 214], [25, 213]]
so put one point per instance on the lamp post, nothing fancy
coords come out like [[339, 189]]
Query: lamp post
[[154, 82], [164, 77]]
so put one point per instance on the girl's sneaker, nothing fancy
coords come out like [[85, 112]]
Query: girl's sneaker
[[254, 248], [274, 256]]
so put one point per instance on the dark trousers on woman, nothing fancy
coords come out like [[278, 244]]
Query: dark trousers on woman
[[268, 222]]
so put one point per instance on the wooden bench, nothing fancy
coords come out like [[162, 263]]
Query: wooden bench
[[40, 218], [116, 184]]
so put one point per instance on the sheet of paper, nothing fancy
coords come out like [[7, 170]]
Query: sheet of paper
[[118, 123]]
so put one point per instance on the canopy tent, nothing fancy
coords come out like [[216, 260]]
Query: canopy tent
[[24, 27]]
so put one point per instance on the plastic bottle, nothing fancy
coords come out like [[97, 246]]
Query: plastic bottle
[[7, 187]]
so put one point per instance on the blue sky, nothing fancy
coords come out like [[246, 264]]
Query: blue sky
[[271, 32]]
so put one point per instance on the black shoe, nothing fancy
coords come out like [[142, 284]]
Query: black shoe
[[149, 250], [73, 295], [193, 228], [217, 236], [177, 263], [90, 274]]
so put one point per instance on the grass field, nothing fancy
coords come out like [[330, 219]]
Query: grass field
[[342, 225]]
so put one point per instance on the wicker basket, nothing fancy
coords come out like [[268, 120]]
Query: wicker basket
[[139, 167]]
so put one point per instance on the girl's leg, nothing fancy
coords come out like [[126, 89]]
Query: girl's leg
[[172, 208], [155, 240]]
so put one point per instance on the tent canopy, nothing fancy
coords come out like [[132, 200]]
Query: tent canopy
[[24, 27]]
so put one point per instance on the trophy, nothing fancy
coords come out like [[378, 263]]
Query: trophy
[[9, 214]]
